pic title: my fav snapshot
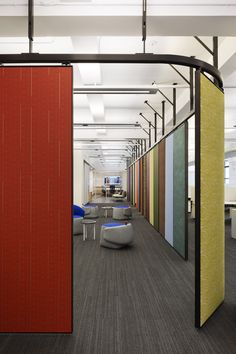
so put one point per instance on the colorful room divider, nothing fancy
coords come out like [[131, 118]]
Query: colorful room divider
[[164, 170], [36, 199], [209, 249], [157, 184]]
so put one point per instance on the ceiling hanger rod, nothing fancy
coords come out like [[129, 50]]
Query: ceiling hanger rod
[[31, 24], [144, 25]]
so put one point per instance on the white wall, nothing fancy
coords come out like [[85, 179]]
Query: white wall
[[78, 176], [81, 189], [232, 172], [230, 193]]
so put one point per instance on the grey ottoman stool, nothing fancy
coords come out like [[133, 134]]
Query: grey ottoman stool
[[91, 211], [122, 212], [115, 235], [77, 225]]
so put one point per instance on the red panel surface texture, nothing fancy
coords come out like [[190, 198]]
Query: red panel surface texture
[[36, 199]]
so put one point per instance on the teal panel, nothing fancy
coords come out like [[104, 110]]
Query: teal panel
[[179, 191]]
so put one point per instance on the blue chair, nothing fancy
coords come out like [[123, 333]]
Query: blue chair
[[78, 216], [77, 211]]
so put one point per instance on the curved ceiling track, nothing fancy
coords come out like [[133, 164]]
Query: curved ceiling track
[[35, 58]]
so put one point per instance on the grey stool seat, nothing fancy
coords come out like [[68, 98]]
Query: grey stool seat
[[77, 225], [91, 211], [122, 212], [116, 235], [85, 224]]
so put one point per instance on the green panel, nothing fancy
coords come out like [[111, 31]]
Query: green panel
[[151, 188], [179, 191], [155, 187]]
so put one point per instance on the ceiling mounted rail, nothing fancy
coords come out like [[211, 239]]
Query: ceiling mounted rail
[[66, 59], [31, 24], [144, 25]]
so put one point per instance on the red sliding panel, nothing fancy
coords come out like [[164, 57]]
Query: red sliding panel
[[36, 199]]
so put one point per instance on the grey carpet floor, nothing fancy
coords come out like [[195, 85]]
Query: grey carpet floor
[[137, 300]]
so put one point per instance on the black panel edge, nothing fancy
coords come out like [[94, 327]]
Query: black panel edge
[[197, 199], [212, 315], [72, 199], [186, 189]]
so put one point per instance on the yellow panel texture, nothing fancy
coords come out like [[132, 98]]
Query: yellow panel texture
[[211, 198], [151, 189]]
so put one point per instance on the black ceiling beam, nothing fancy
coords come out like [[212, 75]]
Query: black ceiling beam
[[162, 93], [204, 45], [213, 52], [145, 131], [148, 121], [148, 104], [180, 74], [171, 59]]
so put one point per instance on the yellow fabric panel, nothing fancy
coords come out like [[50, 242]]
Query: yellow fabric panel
[[211, 198], [151, 188]]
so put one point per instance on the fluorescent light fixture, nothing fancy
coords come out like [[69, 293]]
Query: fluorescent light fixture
[[101, 125], [95, 89]]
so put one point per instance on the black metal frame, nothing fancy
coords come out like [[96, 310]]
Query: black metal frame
[[197, 200], [191, 79], [163, 103], [144, 25], [213, 52], [191, 114], [171, 59], [180, 74], [174, 104], [155, 119], [186, 189], [150, 125], [30, 24]]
